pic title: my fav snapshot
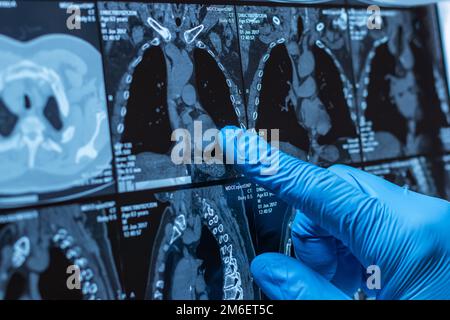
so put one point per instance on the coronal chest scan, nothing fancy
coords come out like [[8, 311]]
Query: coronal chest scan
[[298, 75]]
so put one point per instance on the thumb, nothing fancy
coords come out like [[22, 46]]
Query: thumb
[[284, 278]]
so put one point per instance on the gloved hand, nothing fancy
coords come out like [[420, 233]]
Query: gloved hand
[[348, 218]]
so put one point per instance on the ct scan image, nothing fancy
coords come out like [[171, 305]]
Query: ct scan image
[[41, 248], [419, 174], [444, 172], [191, 244], [54, 131], [169, 66]]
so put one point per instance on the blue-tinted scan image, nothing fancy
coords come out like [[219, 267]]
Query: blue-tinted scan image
[[54, 132], [169, 66], [298, 78], [198, 245]]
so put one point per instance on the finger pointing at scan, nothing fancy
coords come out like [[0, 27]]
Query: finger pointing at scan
[[346, 212]]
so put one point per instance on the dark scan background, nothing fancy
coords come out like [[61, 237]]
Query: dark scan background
[[319, 86]]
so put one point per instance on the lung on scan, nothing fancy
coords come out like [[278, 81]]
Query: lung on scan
[[51, 113], [274, 112], [331, 94], [8, 120], [214, 94], [147, 122]]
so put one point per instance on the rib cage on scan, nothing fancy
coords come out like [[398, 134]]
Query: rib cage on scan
[[204, 218], [190, 36], [396, 75], [52, 107], [37, 247], [313, 107]]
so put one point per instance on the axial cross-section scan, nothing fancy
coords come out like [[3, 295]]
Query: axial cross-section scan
[[298, 79], [54, 132]]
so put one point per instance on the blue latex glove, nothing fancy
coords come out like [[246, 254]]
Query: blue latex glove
[[349, 219]]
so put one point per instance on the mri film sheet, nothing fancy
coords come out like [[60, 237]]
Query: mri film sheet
[[170, 67], [54, 132], [298, 79], [42, 249], [400, 84], [202, 248]]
